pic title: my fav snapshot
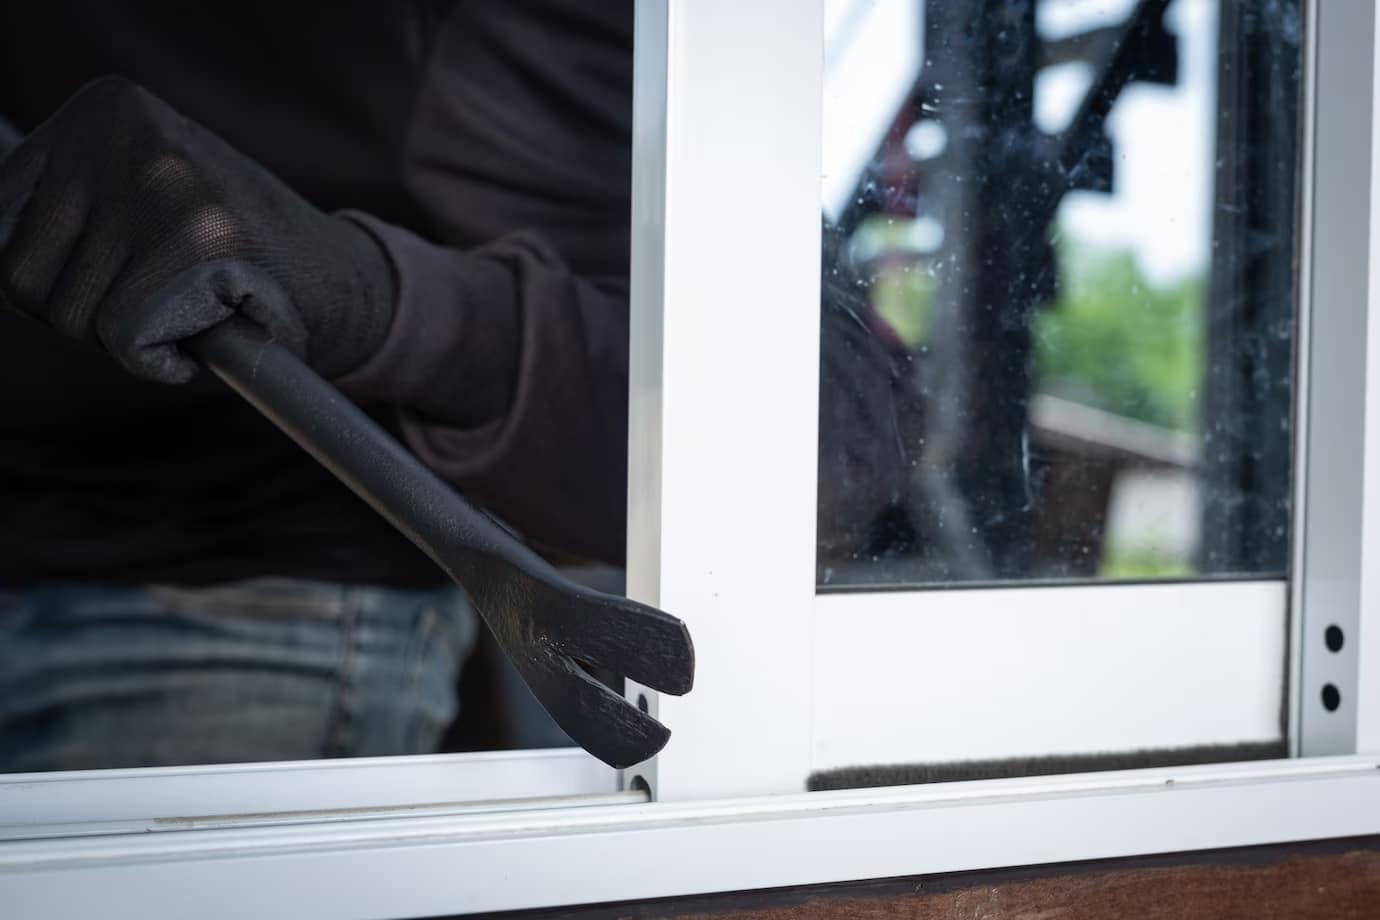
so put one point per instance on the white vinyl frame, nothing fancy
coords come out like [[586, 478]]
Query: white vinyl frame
[[86, 801], [725, 428], [727, 135], [455, 864]]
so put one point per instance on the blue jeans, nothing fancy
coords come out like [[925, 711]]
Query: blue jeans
[[267, 669]]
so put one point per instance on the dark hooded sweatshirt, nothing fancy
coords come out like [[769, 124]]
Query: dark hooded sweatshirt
[[489, 143]]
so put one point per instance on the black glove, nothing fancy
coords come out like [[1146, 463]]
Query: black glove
[[126, 224]]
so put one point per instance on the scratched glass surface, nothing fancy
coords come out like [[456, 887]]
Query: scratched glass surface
[[1058, 299]]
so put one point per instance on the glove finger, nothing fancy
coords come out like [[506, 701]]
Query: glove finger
[[142, 330], [19, 175], [261, 299], [89, 275], [45, 231]]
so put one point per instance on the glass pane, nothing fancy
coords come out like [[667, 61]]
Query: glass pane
[[1058, 290], [439, 227]]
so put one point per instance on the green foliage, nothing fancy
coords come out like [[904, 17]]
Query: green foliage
[[902, 292], [905, 299], [1142, 561], [1119, 343]]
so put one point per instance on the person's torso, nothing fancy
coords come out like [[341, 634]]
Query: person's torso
[[106, 478]]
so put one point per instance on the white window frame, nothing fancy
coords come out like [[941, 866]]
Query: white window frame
[[728, 427], [429, 836], [106, 801], [446, 865]]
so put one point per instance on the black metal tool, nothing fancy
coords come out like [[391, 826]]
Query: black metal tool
[[552, 629]]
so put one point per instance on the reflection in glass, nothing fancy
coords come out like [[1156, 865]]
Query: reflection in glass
[[1058, 289]]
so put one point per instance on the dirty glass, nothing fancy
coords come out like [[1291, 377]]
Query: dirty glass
[[1058, 290]]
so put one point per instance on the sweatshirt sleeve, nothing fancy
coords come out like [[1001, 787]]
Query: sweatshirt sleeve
[[507, 361]]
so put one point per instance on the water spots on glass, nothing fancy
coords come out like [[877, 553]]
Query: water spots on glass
[[1065, 352]]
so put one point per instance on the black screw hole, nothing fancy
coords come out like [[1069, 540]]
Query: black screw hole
[[1334, 638], [1331, 697], [642, 701]]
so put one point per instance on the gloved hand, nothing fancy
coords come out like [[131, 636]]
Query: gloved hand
[[126, 224]]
